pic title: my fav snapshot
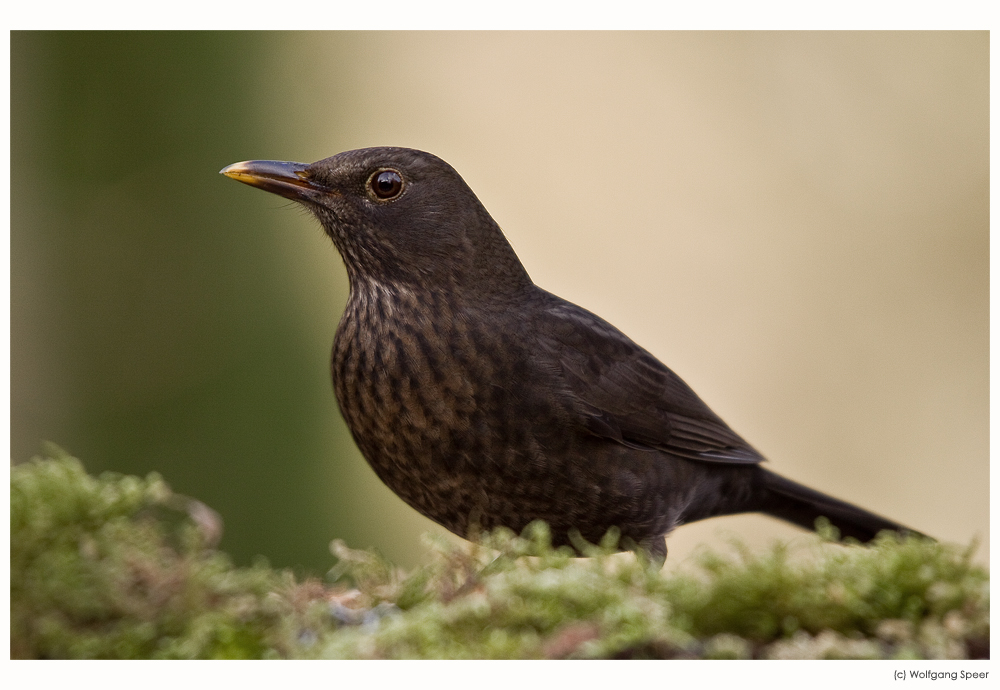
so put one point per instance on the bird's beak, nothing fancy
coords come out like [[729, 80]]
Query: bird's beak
[[280, 177]]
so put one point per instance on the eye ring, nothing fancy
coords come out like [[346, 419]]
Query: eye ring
[[385, 184]]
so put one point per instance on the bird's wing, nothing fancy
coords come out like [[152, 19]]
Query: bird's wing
[[622, 393]]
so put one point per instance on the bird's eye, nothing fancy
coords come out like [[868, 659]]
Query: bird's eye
[[386, 184]]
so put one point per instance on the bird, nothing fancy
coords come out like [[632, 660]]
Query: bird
[[484, 401]]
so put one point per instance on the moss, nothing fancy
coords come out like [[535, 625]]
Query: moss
[[120, 567], [517, 597]]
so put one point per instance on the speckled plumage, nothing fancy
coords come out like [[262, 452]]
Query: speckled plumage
[[481, 399]]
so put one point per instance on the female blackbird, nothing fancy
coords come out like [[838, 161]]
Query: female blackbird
[[483, 400]]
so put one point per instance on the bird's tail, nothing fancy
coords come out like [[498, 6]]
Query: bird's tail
[[801, 505]]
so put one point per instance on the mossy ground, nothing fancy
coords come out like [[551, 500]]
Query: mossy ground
[[120, 567]]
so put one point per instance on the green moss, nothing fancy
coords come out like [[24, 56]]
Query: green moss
[[517, 597], [120, 567]]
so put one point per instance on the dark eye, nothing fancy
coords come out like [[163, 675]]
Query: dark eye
[[386, 184]]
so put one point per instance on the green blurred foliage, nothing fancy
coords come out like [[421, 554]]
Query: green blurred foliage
[[152, 327]]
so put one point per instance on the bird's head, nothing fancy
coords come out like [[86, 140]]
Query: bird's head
[[397, 216]]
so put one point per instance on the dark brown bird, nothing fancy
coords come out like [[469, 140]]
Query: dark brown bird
[[481, 399]]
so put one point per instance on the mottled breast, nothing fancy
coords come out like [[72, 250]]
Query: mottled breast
[[422, 387]]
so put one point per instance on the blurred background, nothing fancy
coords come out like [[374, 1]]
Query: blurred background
[[796, 223]]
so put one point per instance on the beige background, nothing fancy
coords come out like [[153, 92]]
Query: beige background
[[796, 223]]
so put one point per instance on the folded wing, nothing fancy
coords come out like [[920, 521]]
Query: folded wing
[[623, 393]]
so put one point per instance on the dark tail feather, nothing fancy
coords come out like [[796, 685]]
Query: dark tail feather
[[801, 505]]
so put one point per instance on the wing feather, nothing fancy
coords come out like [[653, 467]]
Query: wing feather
[[621, 392]]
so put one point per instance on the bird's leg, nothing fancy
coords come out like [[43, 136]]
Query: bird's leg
[[654, 549], [657, 550]]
